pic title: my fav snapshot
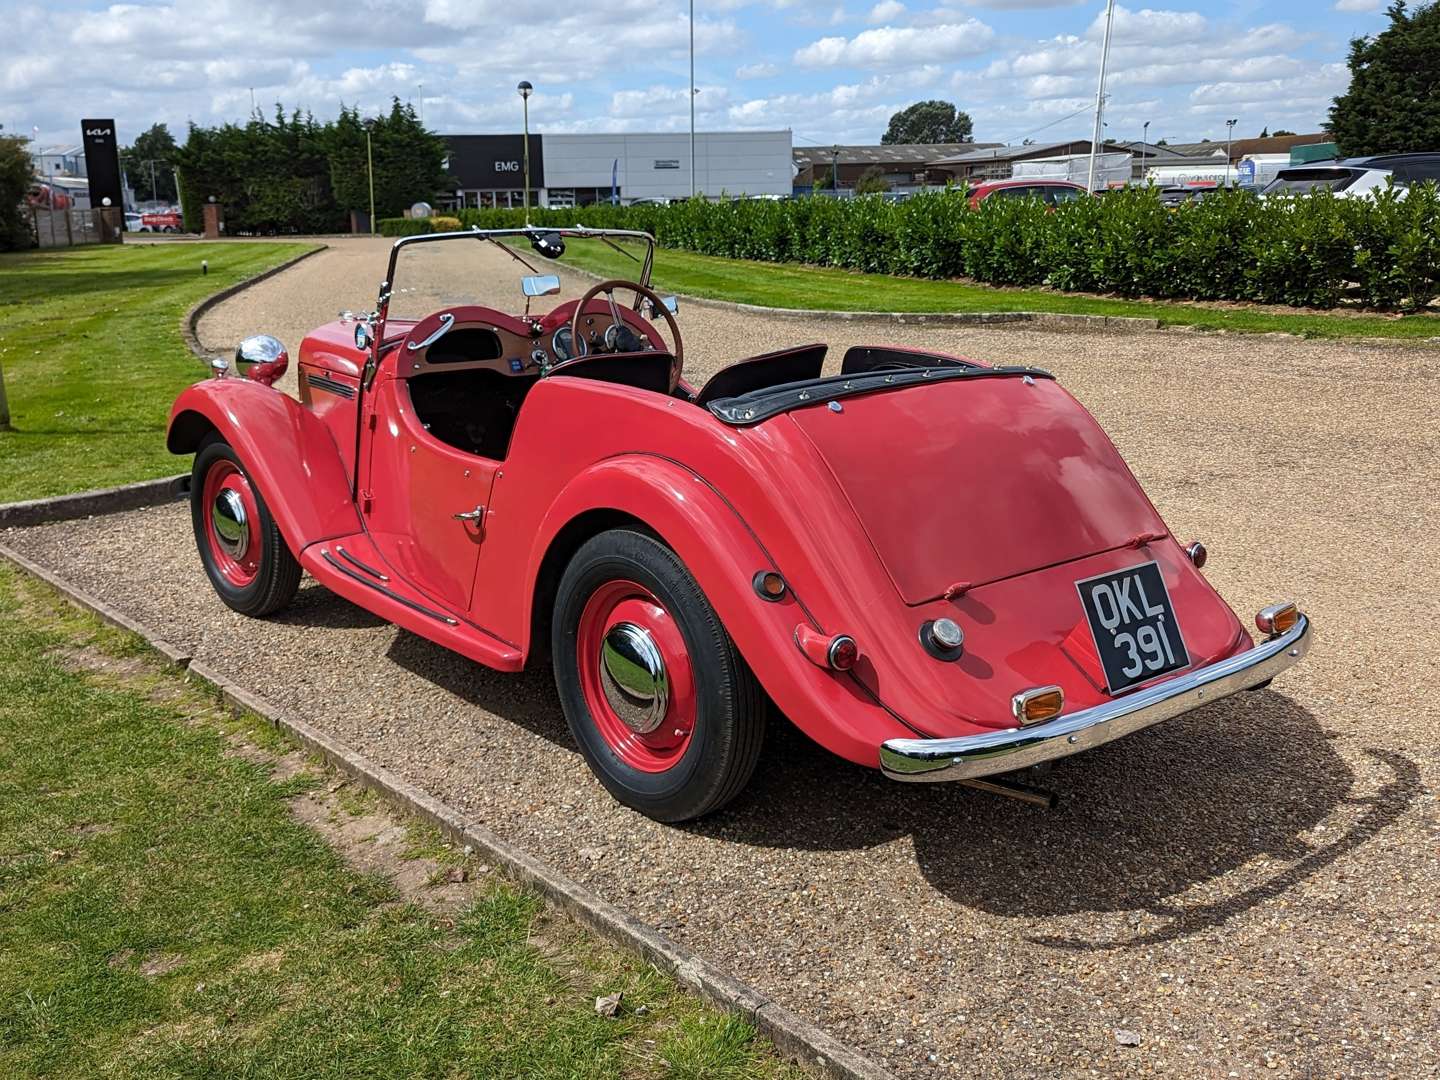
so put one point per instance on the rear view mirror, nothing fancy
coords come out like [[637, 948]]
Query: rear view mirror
[[540, 285], [551, 245]]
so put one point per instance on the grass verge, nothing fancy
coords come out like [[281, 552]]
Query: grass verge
[[164, 912], [789, 285], [92, 355]]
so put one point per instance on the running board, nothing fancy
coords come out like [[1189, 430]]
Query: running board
[[348, 567], [411, 604]]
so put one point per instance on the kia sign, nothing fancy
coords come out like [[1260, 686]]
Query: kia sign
[[102, 163]]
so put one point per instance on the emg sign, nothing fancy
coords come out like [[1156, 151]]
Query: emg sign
[[507, 166]]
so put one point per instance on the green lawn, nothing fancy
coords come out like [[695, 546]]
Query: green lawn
[[789, 285], [92, 357], [163, 914]]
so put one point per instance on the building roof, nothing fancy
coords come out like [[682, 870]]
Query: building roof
[[1151, 151], [58, 151], [1033, 150], [893, 153], [1273, 144]]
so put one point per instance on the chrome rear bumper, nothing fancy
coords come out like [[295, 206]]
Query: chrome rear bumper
[[971, 756]]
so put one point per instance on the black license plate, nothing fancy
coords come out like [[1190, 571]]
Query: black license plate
[[1134, 625]]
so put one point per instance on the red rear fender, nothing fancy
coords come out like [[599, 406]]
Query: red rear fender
[[723, 556], [288, 453]]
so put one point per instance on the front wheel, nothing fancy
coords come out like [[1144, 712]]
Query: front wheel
[[244, 554], [659, 700]]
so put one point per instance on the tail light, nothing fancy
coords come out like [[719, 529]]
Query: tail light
[[1198, 555], [837, 653]]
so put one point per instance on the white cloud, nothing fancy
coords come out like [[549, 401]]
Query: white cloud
[[886, 11], [1152, 27], [1359, 5], [756, 71], [890, 46]]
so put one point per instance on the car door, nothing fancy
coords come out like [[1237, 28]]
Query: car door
[[424, 502]]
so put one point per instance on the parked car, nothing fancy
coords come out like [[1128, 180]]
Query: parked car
[[1051, 192], [133, 223], [932, 566], [1359, 177], [167, 221]]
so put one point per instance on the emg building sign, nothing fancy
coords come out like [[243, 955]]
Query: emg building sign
[[483, 162]]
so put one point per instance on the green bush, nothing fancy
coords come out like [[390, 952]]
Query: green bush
[[401, 226], [1312, 250]]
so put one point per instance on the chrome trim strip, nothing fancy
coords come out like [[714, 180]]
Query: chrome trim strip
[[971, 756], [411, 604]]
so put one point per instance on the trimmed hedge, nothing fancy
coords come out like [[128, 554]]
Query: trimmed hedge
[[1312, 250]]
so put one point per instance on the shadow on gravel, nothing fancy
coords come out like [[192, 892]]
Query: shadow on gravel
[[314, 605], [527, 698], [1142, 821]]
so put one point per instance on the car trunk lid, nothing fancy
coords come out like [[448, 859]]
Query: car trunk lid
[[964, 482]]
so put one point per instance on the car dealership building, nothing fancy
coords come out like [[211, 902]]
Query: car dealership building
[[571, 170]]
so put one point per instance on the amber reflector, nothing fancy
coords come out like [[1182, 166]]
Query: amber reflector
[[1041, 703], [769, 585], [1277, 618]]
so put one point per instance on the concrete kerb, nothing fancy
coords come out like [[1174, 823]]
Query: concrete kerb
[[189, 324], [137, 496], [795, 1037]]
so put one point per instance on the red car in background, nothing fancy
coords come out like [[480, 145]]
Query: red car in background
[[1051, 192], [932, 566], [168, 221]]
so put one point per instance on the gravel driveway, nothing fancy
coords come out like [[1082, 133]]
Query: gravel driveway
[[1251, 889]]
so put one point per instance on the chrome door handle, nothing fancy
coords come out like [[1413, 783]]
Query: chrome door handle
[[446, 321], [470, 515]]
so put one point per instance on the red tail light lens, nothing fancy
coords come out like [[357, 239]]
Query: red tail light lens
[[838, 653], [842, 653]]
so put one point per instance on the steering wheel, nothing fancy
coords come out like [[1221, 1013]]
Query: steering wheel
[[619, 326]]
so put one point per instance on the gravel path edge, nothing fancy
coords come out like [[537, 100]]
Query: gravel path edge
[[794, 1037], [190, 323], [1115, 323]]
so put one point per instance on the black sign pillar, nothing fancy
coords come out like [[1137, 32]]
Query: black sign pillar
[[102, 163]]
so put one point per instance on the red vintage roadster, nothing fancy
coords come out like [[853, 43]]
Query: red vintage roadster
[[931, 566]]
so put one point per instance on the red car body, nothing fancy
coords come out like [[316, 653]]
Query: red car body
[[1051, 192], [912, 488]]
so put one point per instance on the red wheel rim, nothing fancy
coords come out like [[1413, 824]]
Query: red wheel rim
[[636, 676], [232, 523]]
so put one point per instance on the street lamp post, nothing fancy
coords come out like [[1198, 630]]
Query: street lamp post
[[525, 91], [370, 172], [835, 170], [1144, 147], [1229, 142]]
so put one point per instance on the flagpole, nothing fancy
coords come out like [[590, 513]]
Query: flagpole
[[692, 98], [1100, 91]]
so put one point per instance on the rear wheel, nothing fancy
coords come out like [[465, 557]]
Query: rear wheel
[[658, 698], [244, 554]]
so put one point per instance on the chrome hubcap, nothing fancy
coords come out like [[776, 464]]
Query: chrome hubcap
[[232, 525], [635, 682]]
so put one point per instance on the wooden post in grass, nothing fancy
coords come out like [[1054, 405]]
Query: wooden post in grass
[[4, 404]]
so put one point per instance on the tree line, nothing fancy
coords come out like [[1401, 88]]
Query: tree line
[[295, 174]]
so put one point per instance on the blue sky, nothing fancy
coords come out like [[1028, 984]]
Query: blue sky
[[829, 71]]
